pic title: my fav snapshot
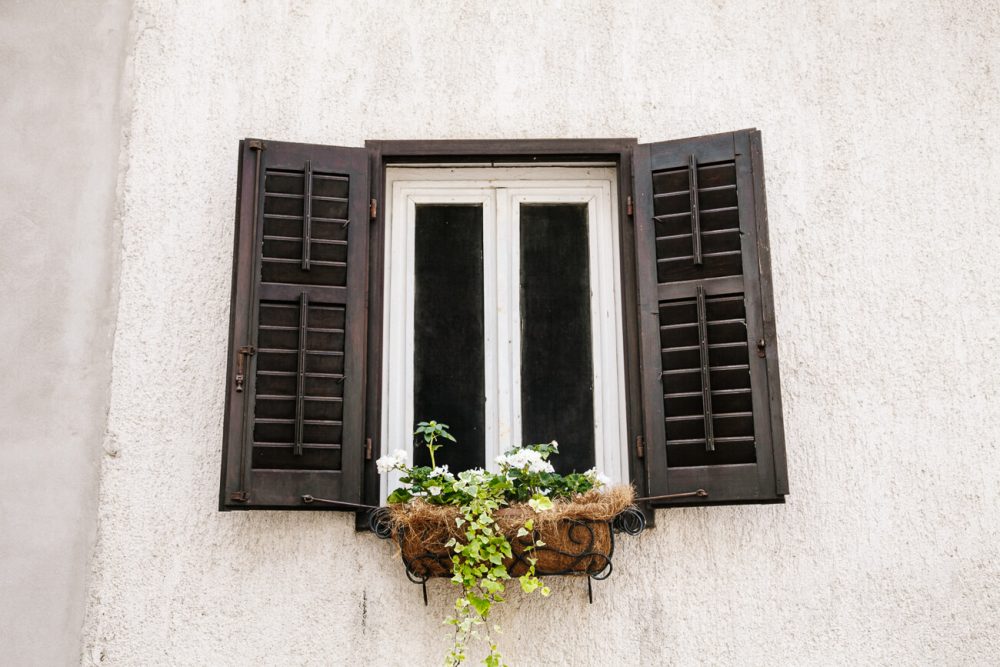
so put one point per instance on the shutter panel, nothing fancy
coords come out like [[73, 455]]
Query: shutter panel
[[296, 382], [711, 401]]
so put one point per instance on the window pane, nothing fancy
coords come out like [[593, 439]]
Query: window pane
[[449, 366], [557, 385]]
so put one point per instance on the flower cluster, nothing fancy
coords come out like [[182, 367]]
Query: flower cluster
[[527, 459], [524, 475], [395, 461]]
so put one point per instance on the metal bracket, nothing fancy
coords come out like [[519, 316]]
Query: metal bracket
[[255, 145], [308, 500], [239, 497], [241, 355], [700, 493]]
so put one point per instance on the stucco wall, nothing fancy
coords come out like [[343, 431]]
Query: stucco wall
[[880, 134], [60, 77]]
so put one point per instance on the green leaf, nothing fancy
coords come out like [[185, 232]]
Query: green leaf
[[540, 503], [481, 605]]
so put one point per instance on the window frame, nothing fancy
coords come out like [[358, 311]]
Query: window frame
[[499, 153], [500, 190]]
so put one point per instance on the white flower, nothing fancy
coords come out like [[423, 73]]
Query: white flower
[[540, 466], [385, 464], [395, 461], [555, 445], [441, 471], [435, 490], [598, 479], [524, 459]]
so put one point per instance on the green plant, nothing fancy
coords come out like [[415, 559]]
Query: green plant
[[480, 553], [431, 431]]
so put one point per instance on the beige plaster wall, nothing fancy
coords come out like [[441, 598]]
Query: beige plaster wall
[[880, 135]]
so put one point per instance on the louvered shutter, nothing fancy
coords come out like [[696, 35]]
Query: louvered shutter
[[711, 401], [295, 408]]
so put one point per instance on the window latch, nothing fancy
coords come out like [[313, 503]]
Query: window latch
[[241, 356]]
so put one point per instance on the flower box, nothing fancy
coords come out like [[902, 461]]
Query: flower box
[[573, 538]]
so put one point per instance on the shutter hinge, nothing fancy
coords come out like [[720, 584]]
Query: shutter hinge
[[255, 145], [368, 449], [239, 496], [241, 355], [629, 211], [640, 448], [373, 208], [761, 348]]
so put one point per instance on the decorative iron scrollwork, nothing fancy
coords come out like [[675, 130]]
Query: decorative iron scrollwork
[[585, 548], [380, 523], [630, 521]]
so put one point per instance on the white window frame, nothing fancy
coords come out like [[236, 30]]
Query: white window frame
[[500, 191]]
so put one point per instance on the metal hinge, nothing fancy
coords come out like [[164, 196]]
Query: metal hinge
[[239, 496], [628, 206], [241, 355], [640, 449], [373, 208], [255, 145], [368, 449], [761, 348]]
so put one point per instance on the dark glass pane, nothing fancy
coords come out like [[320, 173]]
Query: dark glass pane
[[557, 386], [449, 360]]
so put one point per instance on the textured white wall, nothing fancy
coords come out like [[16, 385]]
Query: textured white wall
[[880, 135], [60, 69]]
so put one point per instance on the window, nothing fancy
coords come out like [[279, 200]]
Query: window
[[613, 295], [503, 314]]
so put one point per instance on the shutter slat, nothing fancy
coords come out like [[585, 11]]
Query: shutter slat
[[707, 394], [300, 280]]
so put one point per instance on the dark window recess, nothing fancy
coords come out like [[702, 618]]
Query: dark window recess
[[448, 346], [557, 390]]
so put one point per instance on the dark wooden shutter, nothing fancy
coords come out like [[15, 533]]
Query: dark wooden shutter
[[296, 380], [711, 401]]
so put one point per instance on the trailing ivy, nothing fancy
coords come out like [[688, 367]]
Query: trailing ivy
[[480, 553]]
